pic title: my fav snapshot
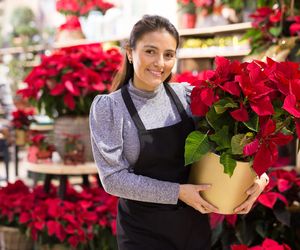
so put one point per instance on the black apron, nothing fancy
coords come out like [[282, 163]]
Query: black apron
[[153, 226]]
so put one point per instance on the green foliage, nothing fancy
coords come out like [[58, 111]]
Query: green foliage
[[197, 145]]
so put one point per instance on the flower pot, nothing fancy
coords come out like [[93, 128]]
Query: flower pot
[[21, 136], [226, 193], [188, 20], [44, 154], [12, 239], [68, 125]]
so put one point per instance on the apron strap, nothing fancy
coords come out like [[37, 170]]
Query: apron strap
[[171, 93], [131, 108], [134, 114]]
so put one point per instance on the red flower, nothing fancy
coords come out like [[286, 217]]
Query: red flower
[[265, 146], [82, 7], [22, 118], [67, 81]]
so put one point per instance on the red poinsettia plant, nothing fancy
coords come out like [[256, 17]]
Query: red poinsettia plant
[[81, 221], [14, 199], [66, 82], [191, 6], [72, 23], [82, 7], [247, 110], [22, 118], [268, 244], [273, 20]]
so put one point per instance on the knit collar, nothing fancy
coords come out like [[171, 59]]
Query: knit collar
[[142, 93]]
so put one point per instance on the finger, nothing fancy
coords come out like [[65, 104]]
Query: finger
[[203, 187], [242, 207], [208, 206], [202, 209], [252, 189]]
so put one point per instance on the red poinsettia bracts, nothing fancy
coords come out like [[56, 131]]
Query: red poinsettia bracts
[[268, 244], [67, 81], [76, 221], [256, 105], [82, 7], [22, 118], [265, 146]]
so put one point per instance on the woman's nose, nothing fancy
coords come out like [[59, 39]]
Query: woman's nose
[[159, 61]]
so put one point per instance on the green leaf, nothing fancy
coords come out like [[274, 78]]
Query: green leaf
[[221, 138], [237, 144], [228, 163], [252, 124], [275, 31], [217, 121], [222, 105], [196, 145]]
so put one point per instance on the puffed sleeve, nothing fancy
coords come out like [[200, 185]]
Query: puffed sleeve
[[107, 125]]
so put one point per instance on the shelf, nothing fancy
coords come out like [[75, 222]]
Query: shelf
[[33, 48], [16, 50], [238, 27], [193, 53]]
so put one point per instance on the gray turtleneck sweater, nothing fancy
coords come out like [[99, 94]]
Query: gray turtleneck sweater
[[115, 141]]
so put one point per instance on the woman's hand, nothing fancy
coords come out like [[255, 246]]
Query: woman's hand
[[254, 191], [190, 194]]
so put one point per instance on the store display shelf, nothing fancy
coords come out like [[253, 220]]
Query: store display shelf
[[229, 28], [195, 53], [40, 47]]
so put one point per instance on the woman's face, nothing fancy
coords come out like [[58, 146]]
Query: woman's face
[[153, 59]]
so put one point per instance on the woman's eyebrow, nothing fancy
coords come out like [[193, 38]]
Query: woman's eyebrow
[[154, 47]]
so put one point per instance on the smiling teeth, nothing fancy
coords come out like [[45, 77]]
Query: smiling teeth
[[157, 73]]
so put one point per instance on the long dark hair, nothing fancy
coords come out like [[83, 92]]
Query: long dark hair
[[149, 23]]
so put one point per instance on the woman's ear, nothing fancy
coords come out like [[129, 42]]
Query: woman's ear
[[129, 54]]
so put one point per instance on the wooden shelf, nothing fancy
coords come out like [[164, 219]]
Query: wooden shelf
[[202, 54], [229, 28], [33, 48]]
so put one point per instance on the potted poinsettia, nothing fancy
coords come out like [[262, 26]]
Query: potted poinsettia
[[40, 149], [82, 7], [21, 121], [65, 84], [83, 220], [14, 198], [247, 110]]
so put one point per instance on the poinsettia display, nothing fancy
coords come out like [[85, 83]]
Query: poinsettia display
[[22, 118], [248, 110], [66, 82], [272, 21], [79, 221], [84, 220], [82, 7]]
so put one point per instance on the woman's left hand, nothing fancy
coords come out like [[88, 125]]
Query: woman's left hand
[[254, 191]]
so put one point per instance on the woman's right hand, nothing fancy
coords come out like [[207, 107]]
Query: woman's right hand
[[190, 194]]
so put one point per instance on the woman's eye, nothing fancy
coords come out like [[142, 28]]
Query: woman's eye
[[170, 55], [150, 52]]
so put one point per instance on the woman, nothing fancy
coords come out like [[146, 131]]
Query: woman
[[138, 136]]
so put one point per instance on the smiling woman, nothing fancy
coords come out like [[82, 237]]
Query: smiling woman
[[138, 135]]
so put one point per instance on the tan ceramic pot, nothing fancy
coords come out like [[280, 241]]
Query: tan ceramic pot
[[226, 193]]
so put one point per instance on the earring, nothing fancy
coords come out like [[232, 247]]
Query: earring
[[130, 61]]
